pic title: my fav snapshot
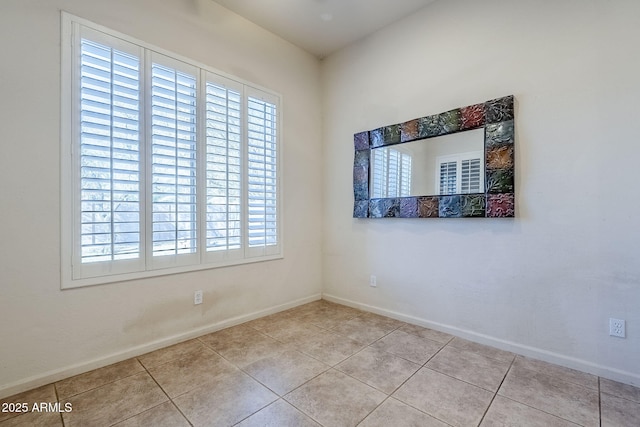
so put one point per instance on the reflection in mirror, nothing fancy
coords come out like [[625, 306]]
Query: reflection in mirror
[[391, 172], [449, 164]]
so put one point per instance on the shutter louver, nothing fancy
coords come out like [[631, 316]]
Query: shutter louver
[[391, 176], [470, 177], [223, 168], [173, 161], [109, 154], [405, 176], [460, 173], [262, 173], [378, 175], [394, 173], [448, 181]]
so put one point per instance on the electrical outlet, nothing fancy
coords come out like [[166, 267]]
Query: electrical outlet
[[197, 298], [373, 282], [617, 327]]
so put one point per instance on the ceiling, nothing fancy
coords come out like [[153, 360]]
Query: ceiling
[[323, 26]]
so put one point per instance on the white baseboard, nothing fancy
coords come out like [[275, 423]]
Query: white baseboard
[[524, 350], [69, 371]]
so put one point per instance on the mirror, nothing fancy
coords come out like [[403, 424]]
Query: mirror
[[455, 164], [444, 165]]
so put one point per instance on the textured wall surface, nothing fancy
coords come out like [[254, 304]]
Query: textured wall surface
[[543, 283]]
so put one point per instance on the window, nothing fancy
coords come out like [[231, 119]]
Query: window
[[391, 173], [460, 174], [168, 166], [223, 169]]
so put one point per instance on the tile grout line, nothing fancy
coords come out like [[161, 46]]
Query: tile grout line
[[424, 365], [534, 407], [55, 390], [370, 344], [410, 376], [599, 404], [280, 397], [388, 395], [497, 390], [541, 410], [260, 409], [165, 393], [565, 380], [302, 412], [401, 384], [371, 411], [348, 375], [364, 348], [101, 385], [306, 382], [316, 358], [572, 383], [330, 367], [264, 407], [618, 396], [404, 403], [483, 345], [275, 392]]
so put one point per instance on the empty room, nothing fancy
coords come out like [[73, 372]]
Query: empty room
[[319, 213]]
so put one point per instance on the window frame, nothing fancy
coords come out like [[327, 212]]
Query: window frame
[[107, 272]]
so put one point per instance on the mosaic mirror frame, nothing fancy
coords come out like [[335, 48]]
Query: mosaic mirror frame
[[498, 200]]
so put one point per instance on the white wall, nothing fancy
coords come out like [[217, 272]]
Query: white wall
[[545, 283], [46, 333]]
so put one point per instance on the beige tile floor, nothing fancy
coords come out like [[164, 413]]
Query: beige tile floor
[[324, 364]]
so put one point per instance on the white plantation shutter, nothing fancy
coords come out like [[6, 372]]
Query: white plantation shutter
[[262, 178], [448, 178], [405, 175], [167, 166], [460, 173], [470, 176], [223, 168], [173, 159], [108, 95], [391, 173], [378, 174]]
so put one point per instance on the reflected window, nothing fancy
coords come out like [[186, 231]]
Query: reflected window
[[459, 174], [391, 173]]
